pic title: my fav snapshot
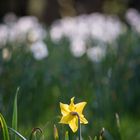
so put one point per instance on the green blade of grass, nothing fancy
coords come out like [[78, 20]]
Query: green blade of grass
[[95, 138], [4, 128], [56, 135], [66, 135], [15, 114], [17, 133]]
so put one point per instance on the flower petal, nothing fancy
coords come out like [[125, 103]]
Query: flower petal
[[83, 119], [72, 106], [80, 107], [66, 119], [74, 124], [64, 109]]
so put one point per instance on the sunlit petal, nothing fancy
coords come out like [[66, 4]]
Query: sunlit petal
[[74, 124], [64, 109], [72, 106], [83, 119], [66, 119], [80, 107]]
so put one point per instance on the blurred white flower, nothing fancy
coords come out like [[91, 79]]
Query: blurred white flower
[[96, 53], [79, 30], [26, 29], [24, 24], [133, 18], [36, 34], [98, 26], [105, 28], [78, 47], [56, 32], [39, 50], [3, 34]]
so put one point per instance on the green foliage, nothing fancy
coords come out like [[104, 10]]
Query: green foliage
[[56, 135], [4, 127], [66, 135], [15, 114], [95, 138], [17, 133]]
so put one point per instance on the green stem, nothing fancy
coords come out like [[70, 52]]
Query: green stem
[[79, 128]]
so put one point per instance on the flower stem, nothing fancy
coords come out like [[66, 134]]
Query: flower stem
[[79, 128]]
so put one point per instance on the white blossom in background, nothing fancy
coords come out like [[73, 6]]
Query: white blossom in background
[[78, 47], [98, 27], [56, 33], [39, 50], [25, 30], [133, 18], [36, 34], [29, 28], [3, 35], [105, 28], [96, 53]]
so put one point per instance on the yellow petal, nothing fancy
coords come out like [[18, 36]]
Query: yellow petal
[[74, 124], [80, 107], [83, 119], [66, 119], [64, 109], [72, 106]]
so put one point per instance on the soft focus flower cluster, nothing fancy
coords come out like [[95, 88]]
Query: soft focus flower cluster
[[133, 18], [25, 30], [87, 34], [100, 28]]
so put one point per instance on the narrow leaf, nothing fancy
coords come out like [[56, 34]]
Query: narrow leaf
[[89, 137], [15, 114], [4, 127], [56, 135], [17, 133], [95, 138], [66, 135]]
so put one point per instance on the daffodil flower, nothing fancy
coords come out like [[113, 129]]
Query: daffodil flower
[[71, 113]]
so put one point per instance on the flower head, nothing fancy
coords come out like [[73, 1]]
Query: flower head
[[71, 113]]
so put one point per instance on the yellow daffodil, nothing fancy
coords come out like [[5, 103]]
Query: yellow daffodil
[[71, 113]]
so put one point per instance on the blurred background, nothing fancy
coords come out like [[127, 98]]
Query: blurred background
[[56, 49]]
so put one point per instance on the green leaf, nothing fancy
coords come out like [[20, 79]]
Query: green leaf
[[4, 128], [17, 133], [15, 113], [89, 137], [66, 135], [56, 135], [95, 138]]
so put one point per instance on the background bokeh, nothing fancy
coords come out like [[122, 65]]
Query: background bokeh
[[57, 49]]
